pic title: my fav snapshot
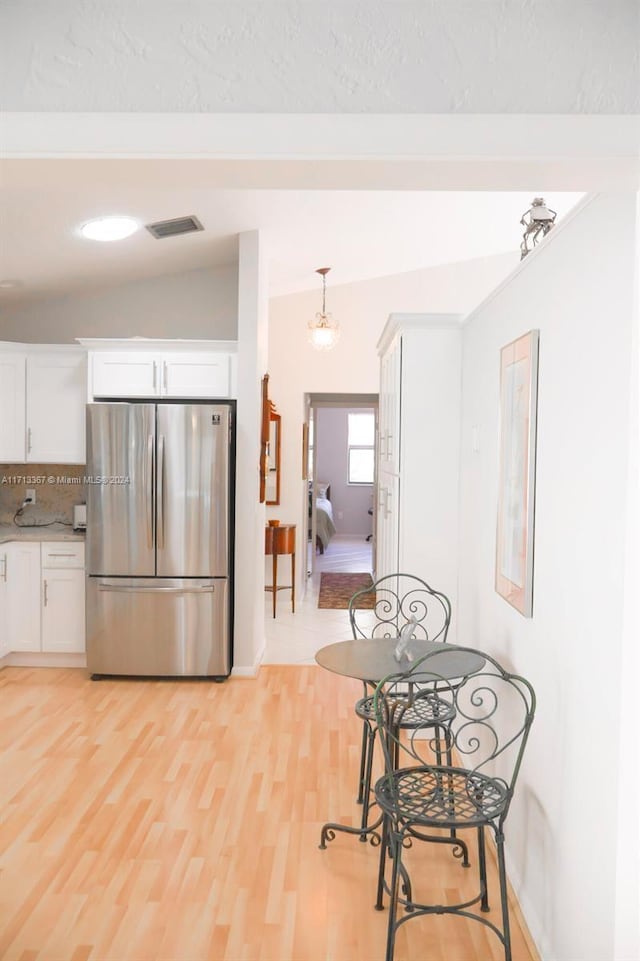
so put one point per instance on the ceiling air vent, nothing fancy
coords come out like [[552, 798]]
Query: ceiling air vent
[[175, 227]]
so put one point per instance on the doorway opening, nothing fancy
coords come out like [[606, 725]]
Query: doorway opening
[[341, 482]]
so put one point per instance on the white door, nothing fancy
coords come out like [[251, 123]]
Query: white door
[[56, 396], [195, 375], [125, 374], [23, 587], [63, 610], [12, 408]]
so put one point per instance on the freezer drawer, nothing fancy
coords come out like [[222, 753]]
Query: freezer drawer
[[158, 627]]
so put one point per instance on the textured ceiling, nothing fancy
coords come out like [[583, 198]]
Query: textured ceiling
[[378, 56]]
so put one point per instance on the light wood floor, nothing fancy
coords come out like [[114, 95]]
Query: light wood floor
[[179, 821]]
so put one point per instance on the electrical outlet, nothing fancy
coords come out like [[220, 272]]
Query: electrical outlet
[[30, 495]]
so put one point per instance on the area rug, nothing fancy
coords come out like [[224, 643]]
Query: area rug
[[336, 590]]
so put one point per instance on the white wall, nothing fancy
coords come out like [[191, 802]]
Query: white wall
[[350, 502], [197, 304], [249, 638], [352, 366], [375, 56], [562, 832]]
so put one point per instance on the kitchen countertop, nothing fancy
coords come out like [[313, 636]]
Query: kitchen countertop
[[56, 532]]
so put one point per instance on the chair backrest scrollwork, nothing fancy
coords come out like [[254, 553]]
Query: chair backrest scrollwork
[[485, 731], [400, 598]]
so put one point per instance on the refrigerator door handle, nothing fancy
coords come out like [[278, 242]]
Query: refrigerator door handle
[[150, 491], [160, 492], [116, 589]]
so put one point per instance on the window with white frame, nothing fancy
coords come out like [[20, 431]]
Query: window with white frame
[[360, 440]]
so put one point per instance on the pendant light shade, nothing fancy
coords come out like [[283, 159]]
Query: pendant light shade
[[324, 331]]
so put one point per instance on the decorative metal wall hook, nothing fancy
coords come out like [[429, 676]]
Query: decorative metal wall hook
[[537, 222]]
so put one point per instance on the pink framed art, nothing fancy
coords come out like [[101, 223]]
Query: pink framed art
[[516, 493]]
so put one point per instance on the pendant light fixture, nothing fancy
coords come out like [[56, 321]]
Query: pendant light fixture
[[324, 332]]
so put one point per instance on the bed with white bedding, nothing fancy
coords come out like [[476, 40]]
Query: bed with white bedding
[[325, 527]]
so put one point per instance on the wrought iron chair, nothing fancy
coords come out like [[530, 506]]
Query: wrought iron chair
[[399, 599], [493, 713]]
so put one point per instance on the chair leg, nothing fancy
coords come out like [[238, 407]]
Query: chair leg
[[502, 874], [482, 867], [366, 802], [363, 757], [382, 863], [396, 854]]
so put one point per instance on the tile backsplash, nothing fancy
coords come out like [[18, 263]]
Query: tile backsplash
[[58, 487]]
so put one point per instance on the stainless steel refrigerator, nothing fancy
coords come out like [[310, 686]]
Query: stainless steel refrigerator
[[159, 539]]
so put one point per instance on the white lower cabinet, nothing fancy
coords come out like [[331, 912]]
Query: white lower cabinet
[[63, 597], [42, 598], [23, 601], [63, 611]]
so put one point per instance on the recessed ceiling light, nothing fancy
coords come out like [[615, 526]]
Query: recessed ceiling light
[[109, 228]]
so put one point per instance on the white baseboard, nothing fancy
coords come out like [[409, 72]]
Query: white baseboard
[[39, 659], [252, 670]]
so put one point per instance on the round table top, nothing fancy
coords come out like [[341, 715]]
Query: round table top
[[373, 659]]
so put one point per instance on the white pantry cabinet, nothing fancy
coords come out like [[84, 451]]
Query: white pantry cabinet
[[418, 448], [23, 596], [42, 399], [63, 626], [4, 603], [180, 374]]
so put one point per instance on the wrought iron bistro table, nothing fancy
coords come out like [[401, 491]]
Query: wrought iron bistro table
[[371, 660]]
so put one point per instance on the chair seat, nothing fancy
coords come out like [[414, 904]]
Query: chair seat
[[441, 796], [430, 709]]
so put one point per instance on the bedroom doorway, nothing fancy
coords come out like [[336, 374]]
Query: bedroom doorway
[[341, 482]]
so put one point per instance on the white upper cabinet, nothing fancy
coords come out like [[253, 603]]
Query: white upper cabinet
[[12, 407], [125, 374], [42, 399], [206, 373], [196, 375], [56, 394]]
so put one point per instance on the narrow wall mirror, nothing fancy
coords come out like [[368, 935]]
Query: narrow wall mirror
[[273, 460]]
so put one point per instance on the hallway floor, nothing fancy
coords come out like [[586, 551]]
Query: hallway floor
[[295, 638]]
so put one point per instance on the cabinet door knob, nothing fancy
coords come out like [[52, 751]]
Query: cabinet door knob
[[46, 594], [28, 440]]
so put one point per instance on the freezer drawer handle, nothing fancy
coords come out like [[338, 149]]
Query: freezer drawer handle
[[155, 590]]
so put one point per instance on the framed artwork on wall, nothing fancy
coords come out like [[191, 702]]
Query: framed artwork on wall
[[516, 492]]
